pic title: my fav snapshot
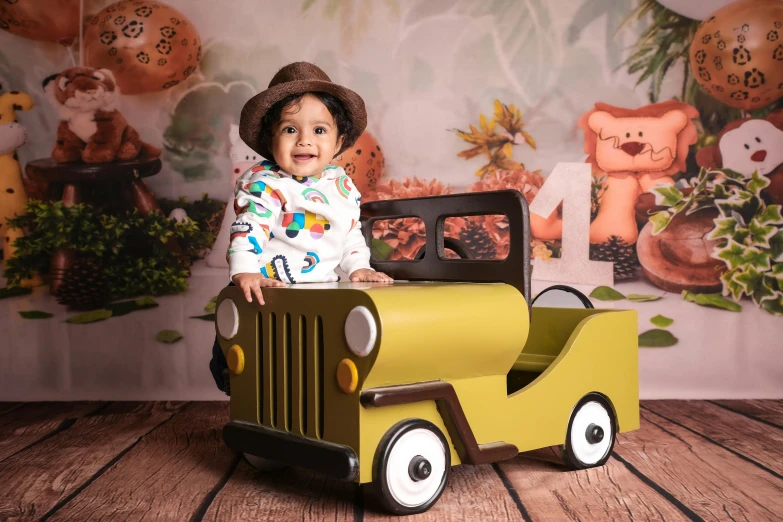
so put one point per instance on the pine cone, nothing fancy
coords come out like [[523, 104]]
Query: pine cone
[[85, 285], [474, 236], [618, 252]]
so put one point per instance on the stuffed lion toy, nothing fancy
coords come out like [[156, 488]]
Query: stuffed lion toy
[[91, 129]]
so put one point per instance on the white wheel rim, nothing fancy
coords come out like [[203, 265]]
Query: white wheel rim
[[587, 452], [403, 488]]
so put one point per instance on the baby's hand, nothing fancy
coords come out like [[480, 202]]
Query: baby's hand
[[252, 283], [367, 275]]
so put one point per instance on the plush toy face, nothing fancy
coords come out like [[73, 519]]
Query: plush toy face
[[636, 144], [756, 145], [12, 136], [83, 89]]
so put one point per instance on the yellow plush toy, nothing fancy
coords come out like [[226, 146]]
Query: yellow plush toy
[[13, 197]]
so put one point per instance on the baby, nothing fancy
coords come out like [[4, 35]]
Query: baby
[[298, 216]]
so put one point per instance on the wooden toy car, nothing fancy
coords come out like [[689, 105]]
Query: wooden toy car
[[393, 384]]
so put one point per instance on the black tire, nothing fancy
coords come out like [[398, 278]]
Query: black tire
[[565, 288], [261, 464], [426, 473], [218, 366], [591, 434]]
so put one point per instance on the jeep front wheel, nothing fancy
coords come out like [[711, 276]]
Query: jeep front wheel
[[591, 433], [412, 465]]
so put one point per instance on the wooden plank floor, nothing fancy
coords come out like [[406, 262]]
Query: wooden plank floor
[[691, 460]]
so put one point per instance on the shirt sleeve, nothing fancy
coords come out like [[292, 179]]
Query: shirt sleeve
[[259, 202], [356, 254]]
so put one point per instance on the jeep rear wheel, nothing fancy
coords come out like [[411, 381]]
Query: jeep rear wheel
[[411, 468], [262, 464], [591, 433]]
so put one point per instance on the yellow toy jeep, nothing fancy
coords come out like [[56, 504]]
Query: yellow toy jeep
[[394, 384]]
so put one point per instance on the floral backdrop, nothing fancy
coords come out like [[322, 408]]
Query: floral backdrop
[[462, 96]]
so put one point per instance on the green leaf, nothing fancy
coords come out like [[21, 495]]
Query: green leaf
[[641, 298], [168, 336], [661, 321], [657, 338], [724, 227], [380, 249], [770, 216], [757, 259], [145, 302], [720, 192], [732, 254], [307, 4], [730, 285], [750, 279], [757, 183], [90, 317], [605, 293], [208, 317], [774, 306], [732, 174], [211, 305], [777, 271], [667, 195], [660, 221], [14, 291], [711, 300], [765, 289], [126, 307], [35, 314], [761, 234], [776, 246], [744, 207]]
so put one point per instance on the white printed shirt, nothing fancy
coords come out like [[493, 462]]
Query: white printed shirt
[[294, 229]]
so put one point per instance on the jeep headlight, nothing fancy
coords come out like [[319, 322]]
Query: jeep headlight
[[227, 319], [361, 331]]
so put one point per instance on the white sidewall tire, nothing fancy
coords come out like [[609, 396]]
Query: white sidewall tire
[[394, 487], [579, 452]]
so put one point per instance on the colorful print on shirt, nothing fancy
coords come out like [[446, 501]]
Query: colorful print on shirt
[[316, 196], [294, 222], [310, 260], [278, 269], [343, 186], [267, 165]]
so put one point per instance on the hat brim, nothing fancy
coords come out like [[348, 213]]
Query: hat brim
[[255, 109]]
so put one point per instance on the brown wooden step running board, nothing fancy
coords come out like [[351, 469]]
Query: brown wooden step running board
[[469, 451]]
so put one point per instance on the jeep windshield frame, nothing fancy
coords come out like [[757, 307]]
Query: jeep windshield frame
[[514, 270]]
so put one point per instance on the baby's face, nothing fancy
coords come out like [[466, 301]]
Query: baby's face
[[305, 140]]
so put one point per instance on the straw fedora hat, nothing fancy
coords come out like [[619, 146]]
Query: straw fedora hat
[[298, 78]]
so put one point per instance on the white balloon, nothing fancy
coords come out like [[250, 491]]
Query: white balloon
[[695, 9]]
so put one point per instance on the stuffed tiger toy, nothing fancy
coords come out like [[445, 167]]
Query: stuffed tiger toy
[[91, 129]]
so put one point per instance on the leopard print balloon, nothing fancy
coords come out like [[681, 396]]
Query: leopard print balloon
[[737, 54], [363, 162], [42, 20], [148, 45]]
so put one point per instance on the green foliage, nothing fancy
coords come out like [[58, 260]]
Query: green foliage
[[131, 246], [168, 336], [657, 338], [665, 45], [749, 235], [35, 314], [90, 317], [662, 321], [208, 213], [606, 293]]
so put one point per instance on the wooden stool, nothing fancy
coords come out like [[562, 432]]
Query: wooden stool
[[70, 181]]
